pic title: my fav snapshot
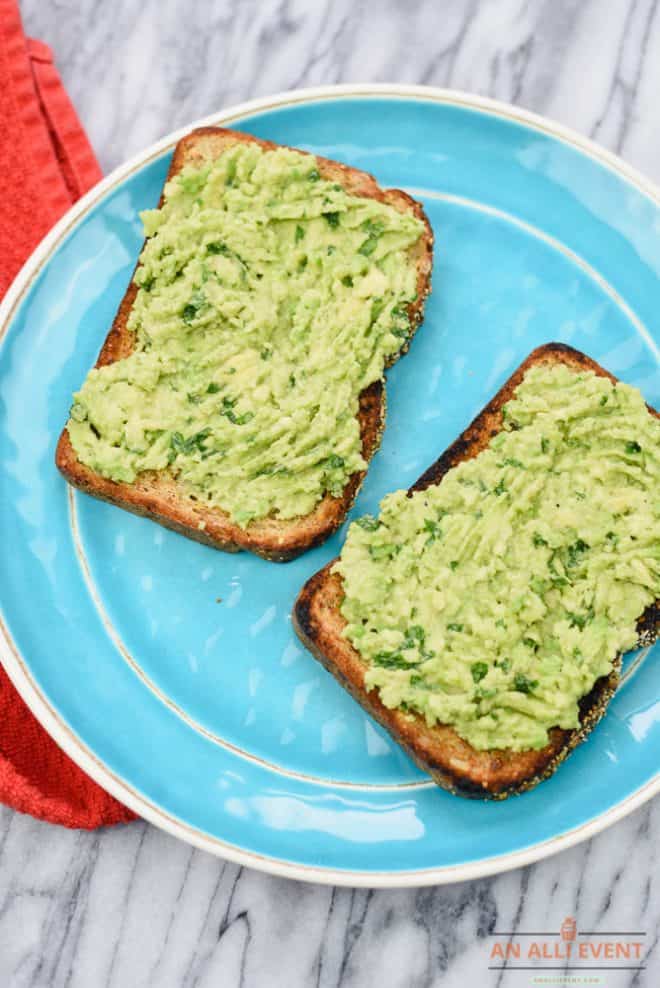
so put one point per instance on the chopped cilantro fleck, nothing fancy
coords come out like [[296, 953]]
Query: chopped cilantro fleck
[[478, 670], [575, 553], [194, 306], [434, 530], [522, 684], [415, 635], [391, 660], [368, 523], [373, 227], [580, 620], [229, 413], [383, 551], [368, 247], [239, 419], [185, 446]]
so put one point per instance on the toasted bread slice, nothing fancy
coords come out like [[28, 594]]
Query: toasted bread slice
[[157, 495], [452, 762]]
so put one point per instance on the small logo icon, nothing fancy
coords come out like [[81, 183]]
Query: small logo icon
[[568, 929]]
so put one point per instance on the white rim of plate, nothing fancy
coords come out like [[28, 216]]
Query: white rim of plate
[[16, 666]]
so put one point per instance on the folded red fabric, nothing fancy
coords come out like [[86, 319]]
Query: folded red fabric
[[46, 163]]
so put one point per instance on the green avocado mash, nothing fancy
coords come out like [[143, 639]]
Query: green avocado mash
[[493, 601], [268, 299]]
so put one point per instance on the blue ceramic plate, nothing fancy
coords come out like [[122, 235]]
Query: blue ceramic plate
[[170, 671]]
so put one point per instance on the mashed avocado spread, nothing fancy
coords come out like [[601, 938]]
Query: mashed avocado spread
[[267, 300], [493, 601]]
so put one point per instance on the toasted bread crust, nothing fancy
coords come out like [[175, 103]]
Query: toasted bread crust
[[158, 495], [451, 761]]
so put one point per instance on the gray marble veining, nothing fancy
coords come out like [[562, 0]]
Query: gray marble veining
[[131, 907]]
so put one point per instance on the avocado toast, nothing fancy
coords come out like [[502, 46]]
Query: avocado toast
[[480, 619], [239, 395]]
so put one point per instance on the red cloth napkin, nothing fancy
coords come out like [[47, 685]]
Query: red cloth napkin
[[46, 163]]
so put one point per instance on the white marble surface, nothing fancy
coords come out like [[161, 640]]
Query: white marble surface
[[131, 907]]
